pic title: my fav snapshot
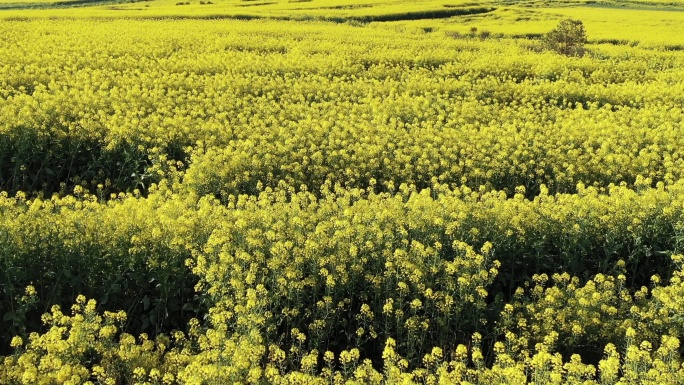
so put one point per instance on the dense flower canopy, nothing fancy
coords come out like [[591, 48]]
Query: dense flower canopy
[[199, 201]]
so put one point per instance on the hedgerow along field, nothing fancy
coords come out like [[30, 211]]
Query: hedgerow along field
[[340, 192]]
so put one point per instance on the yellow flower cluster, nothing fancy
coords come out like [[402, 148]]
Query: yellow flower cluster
[[86, 348], [250, 102], [305, 289]]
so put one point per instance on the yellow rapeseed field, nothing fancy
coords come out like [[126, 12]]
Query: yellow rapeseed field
[[340, 192]]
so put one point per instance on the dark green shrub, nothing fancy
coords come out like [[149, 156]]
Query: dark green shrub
[[568, 38]]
